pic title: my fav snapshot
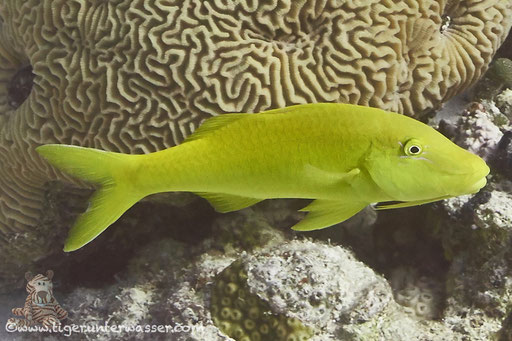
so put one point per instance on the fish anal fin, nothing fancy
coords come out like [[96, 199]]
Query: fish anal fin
[[325, 213], [227, 202], [385, 206], [212, 124]]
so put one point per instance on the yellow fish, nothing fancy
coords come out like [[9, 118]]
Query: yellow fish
[[343, 156]]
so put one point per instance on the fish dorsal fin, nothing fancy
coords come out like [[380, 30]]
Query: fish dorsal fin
[[212, 124], [385, 206], [227, 202], [325, 213]]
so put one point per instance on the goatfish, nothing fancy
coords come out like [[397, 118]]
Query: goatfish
[[342, 156]]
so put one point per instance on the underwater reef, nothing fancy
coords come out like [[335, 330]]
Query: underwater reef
[[79, 72], [138, 76], [433, 272]]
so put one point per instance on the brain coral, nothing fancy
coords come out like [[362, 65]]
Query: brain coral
[[137, 76]]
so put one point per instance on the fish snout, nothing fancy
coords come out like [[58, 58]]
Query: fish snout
[[479, 179], [478, 185]]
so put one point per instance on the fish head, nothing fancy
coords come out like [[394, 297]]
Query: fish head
[[414, 162]]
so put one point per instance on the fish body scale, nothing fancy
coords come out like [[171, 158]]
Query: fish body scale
[[264, 156]]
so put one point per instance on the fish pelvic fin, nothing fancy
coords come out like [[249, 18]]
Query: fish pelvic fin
[[116, 194], [224, 203], [388, 206], [325, 213]]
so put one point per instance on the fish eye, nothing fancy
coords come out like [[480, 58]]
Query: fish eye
[[413, 148]]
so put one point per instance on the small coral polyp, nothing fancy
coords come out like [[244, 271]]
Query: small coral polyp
[[420, 296]]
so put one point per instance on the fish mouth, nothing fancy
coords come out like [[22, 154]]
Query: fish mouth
[[482, 179], [477, 185]]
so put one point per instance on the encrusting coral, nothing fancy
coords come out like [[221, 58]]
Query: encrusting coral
[[244, 316], [297, 283], [139, 76], [419, 295]]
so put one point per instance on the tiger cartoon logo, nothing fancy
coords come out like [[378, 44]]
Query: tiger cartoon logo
[[40, 305]]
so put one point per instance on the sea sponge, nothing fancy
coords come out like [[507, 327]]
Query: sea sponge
[[137, 76]]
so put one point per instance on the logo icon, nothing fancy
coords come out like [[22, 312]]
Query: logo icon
[[40, 306]]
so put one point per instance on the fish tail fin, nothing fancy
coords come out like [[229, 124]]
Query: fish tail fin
[[116, 195]]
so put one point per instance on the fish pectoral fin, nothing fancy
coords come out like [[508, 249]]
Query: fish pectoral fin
[[316, 173], [224, 203], [325, 213], [385, 206]]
